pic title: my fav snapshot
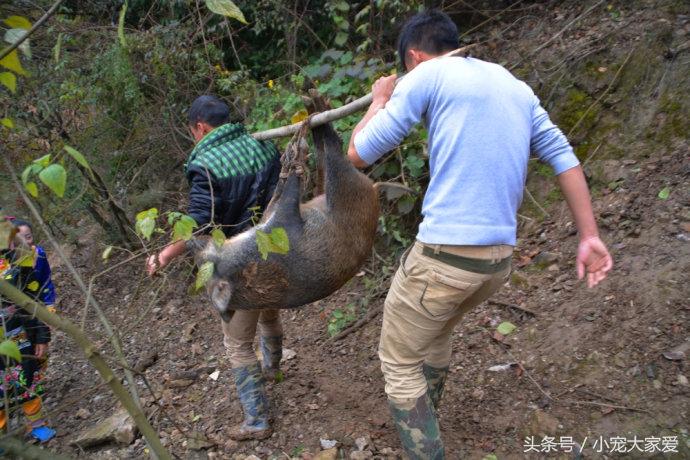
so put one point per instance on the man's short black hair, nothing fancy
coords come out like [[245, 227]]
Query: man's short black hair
[[431, 31], [16, 223], [208, 109]]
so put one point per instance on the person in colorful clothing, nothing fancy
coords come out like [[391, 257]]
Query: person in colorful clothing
[[482, 124], [22, 382], [42, 273], [231, 175]]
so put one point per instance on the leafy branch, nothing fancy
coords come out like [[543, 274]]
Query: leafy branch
[[33, 29]]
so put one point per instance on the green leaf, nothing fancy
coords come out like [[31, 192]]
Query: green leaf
[[55, 178], [506, 328], [263, 243], [279, 240], [173, 216], [414, 164], [145, 227], [42, 161], [340, 38], [226, 8], [78, 157], [203, 275], [19, 22], [9, 80], [11, 61], [342, 5], [106, 253], [121, 26], [152, 212], [12, 36], [346, 58], [25, 174], [32, 188], [10, 348], [183, 228], [57, 48], [146, 222], [664, 193], [7, 123], [218, 237]]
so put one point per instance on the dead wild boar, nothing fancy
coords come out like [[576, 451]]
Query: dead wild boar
[[330, 236]]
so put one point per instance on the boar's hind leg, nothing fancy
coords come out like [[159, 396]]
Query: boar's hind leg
[[285, 208]]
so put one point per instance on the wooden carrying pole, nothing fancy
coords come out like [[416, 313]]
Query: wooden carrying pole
[[334, 114], [317, 120]]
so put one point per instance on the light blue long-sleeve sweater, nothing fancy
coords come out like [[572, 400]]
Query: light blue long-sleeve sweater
[[482, 124]]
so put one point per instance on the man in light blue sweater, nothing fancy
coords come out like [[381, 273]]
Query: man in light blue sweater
[[482, 124]]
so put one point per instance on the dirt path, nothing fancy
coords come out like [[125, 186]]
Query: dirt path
[[592, 359]]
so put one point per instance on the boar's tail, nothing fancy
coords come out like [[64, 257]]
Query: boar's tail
[[393, 187]]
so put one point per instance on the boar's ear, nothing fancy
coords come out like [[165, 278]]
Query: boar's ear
[[221, 293]]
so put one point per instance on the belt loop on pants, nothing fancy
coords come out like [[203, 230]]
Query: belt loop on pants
[[482, 266]]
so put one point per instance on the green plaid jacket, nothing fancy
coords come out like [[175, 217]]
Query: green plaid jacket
[[229, 151], [230, 172]]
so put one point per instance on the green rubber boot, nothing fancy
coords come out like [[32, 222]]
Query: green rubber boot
[[436, 381], [271, 352], [418, 429], [252, 395]]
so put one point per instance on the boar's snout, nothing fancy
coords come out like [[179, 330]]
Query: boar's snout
[[220, 291]]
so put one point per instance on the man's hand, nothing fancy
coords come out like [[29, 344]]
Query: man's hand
[[158, 261], [41, 350], [594, 260], [382, 90], [153, 263]]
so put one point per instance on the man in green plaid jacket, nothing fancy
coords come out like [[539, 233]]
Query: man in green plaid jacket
[[231, 176]]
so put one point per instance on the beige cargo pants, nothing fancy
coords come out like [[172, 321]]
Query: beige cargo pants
[[426, 300], [239, 332]]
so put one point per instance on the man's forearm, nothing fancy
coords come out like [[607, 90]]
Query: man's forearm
[[352, 151], [574, 187], [173, 250]]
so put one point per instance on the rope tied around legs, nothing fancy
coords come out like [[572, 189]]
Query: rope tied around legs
[[294, 158]]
